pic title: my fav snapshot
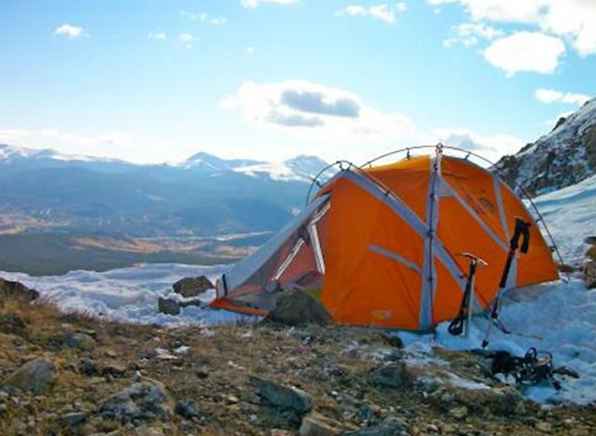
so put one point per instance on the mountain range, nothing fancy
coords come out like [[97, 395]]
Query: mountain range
[[563, 157], [204, 194]]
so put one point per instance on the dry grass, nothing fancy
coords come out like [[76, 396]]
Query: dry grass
[[215, 373]]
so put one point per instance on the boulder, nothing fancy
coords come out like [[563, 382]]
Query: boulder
[[590, 240], [73, 420], [167, 306], [295, 307], [192, 286], [12, 289], [187, 409], [36, 376], [170, 306], [146, 400], [81, 341], [284, 397], [392, 375], [316, 424], [389, 427]]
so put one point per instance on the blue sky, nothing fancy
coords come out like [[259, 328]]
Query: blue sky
[[154, 81]]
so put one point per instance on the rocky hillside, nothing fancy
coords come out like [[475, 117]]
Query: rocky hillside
[[565, 156], [73, 375]]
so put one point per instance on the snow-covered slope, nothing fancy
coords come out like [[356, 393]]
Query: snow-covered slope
[[561, 158], [571, 215]]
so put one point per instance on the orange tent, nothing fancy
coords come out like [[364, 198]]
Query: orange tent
[[381, 247]]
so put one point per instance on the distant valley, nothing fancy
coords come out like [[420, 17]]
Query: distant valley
[[50, 202]]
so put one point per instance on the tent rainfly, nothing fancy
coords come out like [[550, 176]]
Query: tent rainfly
[[381, 247]]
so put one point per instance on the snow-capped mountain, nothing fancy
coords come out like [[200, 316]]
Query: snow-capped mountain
[[301, 168], [204, 194], [563, 157]]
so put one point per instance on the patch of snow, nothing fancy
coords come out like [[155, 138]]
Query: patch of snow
[[128, 294], [559, 318], [570, 213]]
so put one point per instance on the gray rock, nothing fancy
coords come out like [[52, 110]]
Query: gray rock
[[187, 409], [296, 307], [73, 419], [392, 375], [81, 341], [36, 376], [167, 306], [88, 367], [192, 286], [389, 427], [172, 307], [284, 397], [393, 340], [590, 240], [140, 401], [114, 369], [315, 424], [10, 289]]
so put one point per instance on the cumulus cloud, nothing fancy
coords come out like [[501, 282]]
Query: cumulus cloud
[[383, 12], [204, 17], [186, 39], [320, 114], [491, 147], [554, 96], [319, 103], [470, 34], [69, 31], [525, 51], [571, 19], [158, 36], [251, 4]]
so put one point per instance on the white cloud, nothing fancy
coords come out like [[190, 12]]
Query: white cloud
[[525, 51], [255, 3], [158, 36], [553, 96], [250, 51], [470, 34], [383, 12], [572, 19], [336, 123], [69, 31], [186, 39], [500, 10], [204, 17], [575, 19], [322, 115], [492, 147]]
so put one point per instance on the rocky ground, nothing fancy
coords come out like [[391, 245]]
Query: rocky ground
[[71, 374]]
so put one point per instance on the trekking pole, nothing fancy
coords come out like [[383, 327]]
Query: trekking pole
[[522, 229], [462, 322]]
